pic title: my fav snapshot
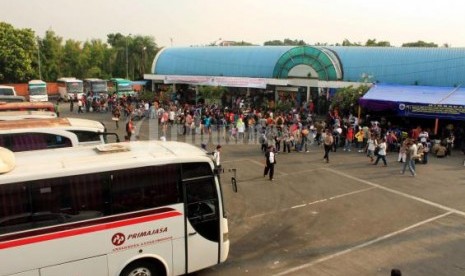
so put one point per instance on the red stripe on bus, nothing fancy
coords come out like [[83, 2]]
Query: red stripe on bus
[[87, 230]]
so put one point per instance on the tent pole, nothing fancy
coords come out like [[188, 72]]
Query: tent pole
[[436, 125]]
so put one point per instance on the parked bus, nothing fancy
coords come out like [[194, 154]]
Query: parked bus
[[122, 87], [26, 110], [70, 88], [139, 208], [25, 135], [7, 90], [22, 115], [37, 91], [12, 99], [27, 106], [96, 87]]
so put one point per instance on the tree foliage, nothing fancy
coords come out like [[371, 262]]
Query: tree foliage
[[21, 53], [285, 42], [211, 93], [345, 98], [17, 52], [346, 42], [374, 43], [420, 43]]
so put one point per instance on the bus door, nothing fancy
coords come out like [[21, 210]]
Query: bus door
[[203, 223]]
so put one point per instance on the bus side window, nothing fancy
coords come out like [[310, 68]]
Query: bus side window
[[86, 136], [28, 141], [140, 188], [14, 208], [203, 207], [89, 194]]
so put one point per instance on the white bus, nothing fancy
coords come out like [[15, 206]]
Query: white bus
[[37, 134], [7, 90], [70, 88], [37, 91], [139, 208]]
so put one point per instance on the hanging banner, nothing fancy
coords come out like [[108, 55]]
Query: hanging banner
[[196, 80], [448, 111], [218, 81], [240, 82]]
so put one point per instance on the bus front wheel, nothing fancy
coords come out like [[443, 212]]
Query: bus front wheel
[[142, 268]]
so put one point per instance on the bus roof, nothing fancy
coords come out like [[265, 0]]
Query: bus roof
[[12, 99], [69, 79], [93, 79], [50, 123], [37, 82], [120, 80], [26, 114], [12, 106], [106, 157]]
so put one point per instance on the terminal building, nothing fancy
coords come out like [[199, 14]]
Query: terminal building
[[416, 82]]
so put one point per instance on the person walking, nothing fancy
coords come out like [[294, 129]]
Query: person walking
[[130, 129], [409, 159], [381, 153], [217, 156], [116, 115], [270, 159], [328, 142], [371, 145], [80, 106], [71, 104]]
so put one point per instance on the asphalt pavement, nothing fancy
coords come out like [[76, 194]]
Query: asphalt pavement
[[345, 217]]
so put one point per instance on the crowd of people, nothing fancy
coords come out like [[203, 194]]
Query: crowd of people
[[284, 131]]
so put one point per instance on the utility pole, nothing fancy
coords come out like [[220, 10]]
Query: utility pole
[[38, 57], [127, 57]]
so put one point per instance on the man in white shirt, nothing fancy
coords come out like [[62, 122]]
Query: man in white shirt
[[217, 156], [270, 161]]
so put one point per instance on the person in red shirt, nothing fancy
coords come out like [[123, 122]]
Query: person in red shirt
[[349, 138]]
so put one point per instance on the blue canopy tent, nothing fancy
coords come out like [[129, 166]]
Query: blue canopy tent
[[417, 101]]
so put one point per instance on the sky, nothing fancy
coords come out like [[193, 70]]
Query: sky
[[202, 22]]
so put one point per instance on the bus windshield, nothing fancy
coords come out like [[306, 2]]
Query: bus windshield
[[74, 87], [124, 87], [100, 86], [37, 90], [6, 91]]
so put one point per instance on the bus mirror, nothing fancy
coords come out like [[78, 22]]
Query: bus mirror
[[234, 184], [233, 180], [114, 138]]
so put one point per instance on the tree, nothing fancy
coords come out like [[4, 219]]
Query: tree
[[346, 42], [140, 52], [286, 42], [211, 94], [51, 50], [242, 43], [373, 43], [71, 60], [420, 43], [18, 51], [346, 99]]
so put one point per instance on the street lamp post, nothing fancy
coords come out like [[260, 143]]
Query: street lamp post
[[38, 58], [127, 57], [143, 60]]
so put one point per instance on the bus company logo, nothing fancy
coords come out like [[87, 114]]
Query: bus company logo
[[147, 233], [118, 239], [401, 106]]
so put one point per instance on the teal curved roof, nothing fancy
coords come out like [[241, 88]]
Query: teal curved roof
[[394, 65], [245, 61], [407, 66]]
